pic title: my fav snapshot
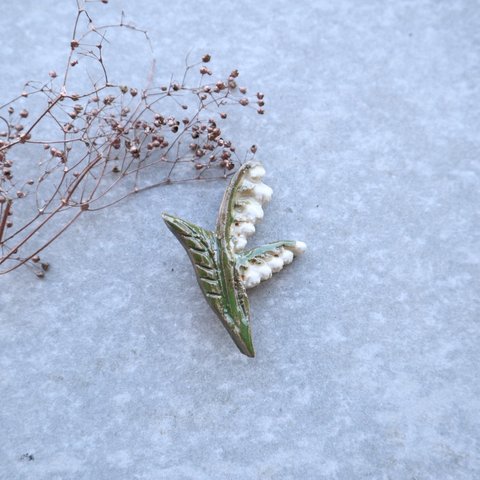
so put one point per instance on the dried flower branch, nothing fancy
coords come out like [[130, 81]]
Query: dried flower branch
[[64, 151]]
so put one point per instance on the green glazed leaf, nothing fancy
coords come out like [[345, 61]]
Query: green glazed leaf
[[259, 252], [218, 278]]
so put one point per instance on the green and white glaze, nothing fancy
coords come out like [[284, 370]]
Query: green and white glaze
[[223, 267]]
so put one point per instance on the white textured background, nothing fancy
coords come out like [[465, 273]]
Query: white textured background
[[367, 363]]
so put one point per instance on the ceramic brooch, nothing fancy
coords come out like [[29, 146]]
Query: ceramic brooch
[[224, 269]]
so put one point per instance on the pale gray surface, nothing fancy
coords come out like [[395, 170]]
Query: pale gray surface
[[367, 360]]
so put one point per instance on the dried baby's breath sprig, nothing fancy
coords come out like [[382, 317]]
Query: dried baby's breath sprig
[[66, 150], [223, 267]]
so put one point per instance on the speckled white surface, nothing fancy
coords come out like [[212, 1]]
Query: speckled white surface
[[367, 363]]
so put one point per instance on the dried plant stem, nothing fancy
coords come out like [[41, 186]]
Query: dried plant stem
[[5, 214], [106, 143]]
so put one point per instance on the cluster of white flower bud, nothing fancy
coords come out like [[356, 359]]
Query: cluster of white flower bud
[[262, 268], [252, 193]]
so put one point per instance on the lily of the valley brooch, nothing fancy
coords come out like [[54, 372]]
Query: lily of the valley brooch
[[224, 269]]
